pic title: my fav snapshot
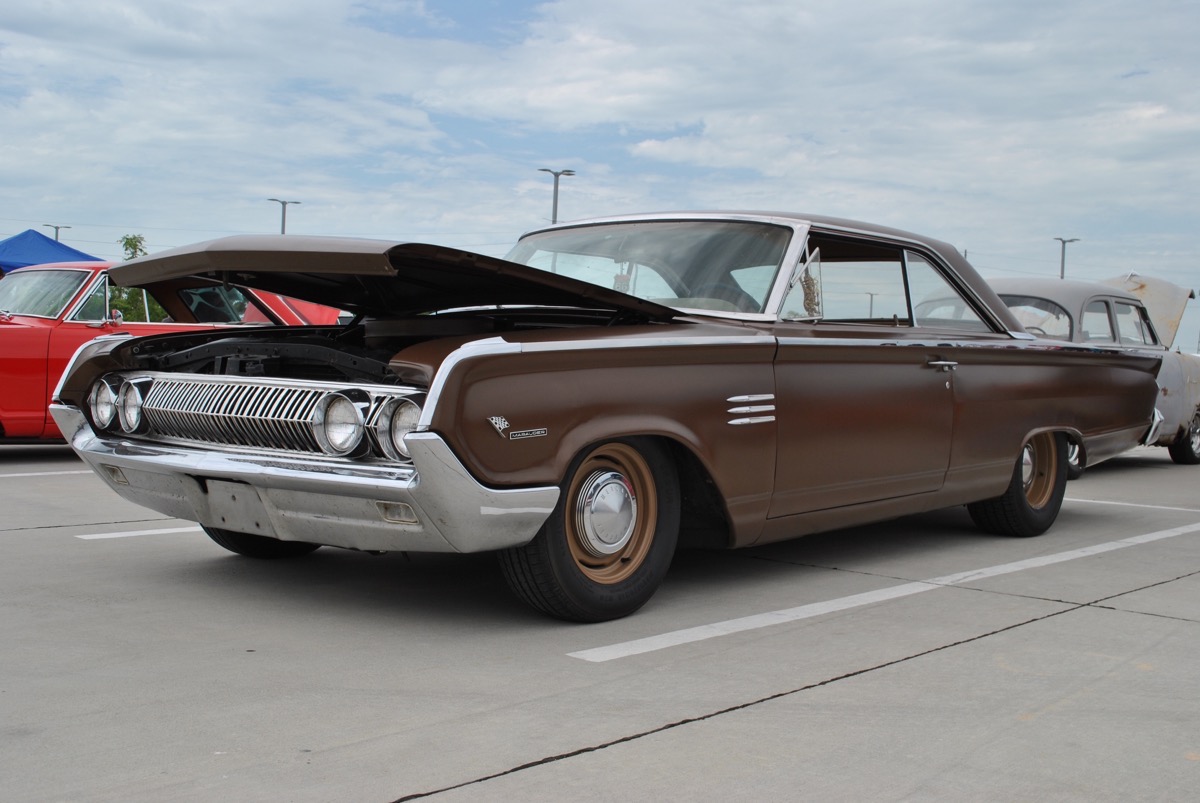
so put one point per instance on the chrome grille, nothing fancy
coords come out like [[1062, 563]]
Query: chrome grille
[[218, 411]]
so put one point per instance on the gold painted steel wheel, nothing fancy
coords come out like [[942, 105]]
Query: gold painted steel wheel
[[1039, 469], [1035, 491], [613, 510], [609, 541]]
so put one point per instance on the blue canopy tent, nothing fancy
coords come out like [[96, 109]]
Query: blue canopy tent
[[34, 248]]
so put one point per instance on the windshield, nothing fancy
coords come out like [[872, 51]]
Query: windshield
[[691, 264], [41, 293]]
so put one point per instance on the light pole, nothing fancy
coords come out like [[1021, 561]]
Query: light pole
[[56, 228], [283, 205], [556, 174], [1062, 262]]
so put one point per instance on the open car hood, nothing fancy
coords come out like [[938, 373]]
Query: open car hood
[[376, 278], [1164, 301]]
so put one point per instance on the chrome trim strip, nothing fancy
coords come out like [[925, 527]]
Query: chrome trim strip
[[476, 348], [762, 419], [750, 398], [754, 408], [647, 342], [498, 345]]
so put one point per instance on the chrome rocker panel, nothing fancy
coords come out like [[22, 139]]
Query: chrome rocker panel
[[432, 506]]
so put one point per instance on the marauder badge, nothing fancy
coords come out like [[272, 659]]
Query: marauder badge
[[501, 425]]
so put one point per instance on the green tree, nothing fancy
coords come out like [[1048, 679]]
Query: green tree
[[134, 246], [131, 301]]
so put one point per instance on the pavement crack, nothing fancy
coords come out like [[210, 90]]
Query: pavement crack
[[735, 708]]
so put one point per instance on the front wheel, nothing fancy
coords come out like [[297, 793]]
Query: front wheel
[[1186, 450], [1034, 495], [610, 540], [259, 546]]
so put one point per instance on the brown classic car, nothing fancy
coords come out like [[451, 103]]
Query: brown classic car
[[611, 391]]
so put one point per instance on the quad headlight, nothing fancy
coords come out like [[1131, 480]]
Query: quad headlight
[[396, 418], [341, 422], [116, 403], [103, 403], [129, 407], [337, 424]]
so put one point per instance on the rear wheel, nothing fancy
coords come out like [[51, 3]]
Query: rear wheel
[[1186, 450], [609, 542], [1034, 495], [259, 546]]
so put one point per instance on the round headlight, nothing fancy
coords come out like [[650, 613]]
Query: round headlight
[[338, 424], [129, 405], [397, 419], [103, 403]]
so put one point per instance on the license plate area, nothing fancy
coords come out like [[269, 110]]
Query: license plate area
[[237, 506]]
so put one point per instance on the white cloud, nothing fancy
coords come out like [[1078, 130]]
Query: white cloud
[[995, 126]]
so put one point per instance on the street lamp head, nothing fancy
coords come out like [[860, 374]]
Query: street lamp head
[[1062, 261], [557, 174], [283, 205]]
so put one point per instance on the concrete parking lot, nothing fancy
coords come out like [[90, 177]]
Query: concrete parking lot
[[913, 660]]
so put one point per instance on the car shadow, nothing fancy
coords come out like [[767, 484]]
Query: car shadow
[[450, 589]]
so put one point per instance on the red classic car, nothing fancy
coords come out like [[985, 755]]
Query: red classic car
[[49, 311], [612, 390]]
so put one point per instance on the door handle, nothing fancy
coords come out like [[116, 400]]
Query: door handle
[[944, 366]]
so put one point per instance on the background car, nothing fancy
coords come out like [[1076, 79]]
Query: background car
[[48, 311], [610, 391], [1112, 314]]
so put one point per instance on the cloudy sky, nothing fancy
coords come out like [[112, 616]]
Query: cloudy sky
[[997, 125]]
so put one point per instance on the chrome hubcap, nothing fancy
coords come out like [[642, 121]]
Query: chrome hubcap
[[1027, 465], [606, 513]]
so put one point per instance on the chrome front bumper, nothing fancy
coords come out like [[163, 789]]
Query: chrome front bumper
[[432, 506]]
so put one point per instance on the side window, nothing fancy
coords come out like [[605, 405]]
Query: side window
[[1096, 326], [136, 305], [216, 304], [867, 282], [1040, 316], [93, 308], [935, 301], [1134, 325], [861, 282]]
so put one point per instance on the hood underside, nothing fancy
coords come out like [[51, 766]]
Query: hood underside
[[376, 278]]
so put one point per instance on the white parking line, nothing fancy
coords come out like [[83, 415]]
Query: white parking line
[[45, 474], [132, 533], [1133, 504], [660, 642]]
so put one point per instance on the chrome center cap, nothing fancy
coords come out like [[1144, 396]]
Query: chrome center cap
[[1027, 465], [606, 513]]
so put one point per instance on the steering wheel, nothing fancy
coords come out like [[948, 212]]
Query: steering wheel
[[728, 291]]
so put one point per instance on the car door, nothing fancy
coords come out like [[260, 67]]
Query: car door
[[865, 394]]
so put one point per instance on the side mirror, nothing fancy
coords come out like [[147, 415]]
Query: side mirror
[[117, 317]]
